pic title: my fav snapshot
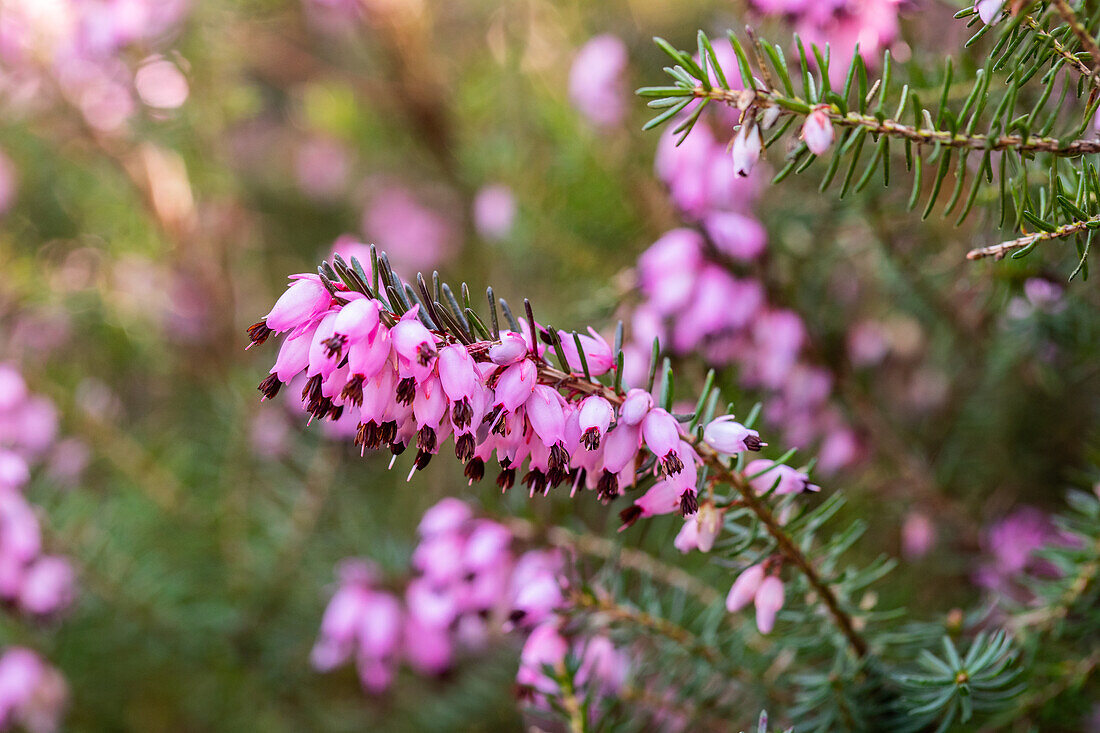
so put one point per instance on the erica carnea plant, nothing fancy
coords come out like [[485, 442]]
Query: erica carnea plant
[[775, 604]]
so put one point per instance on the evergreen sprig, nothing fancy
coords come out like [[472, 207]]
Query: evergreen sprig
[[1010, 133]]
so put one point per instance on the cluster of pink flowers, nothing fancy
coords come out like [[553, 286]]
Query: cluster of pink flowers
[[468, 585], [36, 583], [693, 303], [1012, 547], [79, 48], [761, 587], [406, 385], [33, 695], [843, 24]]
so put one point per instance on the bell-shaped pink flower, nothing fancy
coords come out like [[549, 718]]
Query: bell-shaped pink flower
[[636, 405], [700, 531], [48, 586], [728, 437], [735, 235], [293, 357], [662, 436], [744, 589], [621, 446], [785, 479], [14, 471], [597, 352], [594, 417], [769, 599], [303, 299], [515, 385], [512, 348], [357, 320], [414, 346], [428, 649], [817, 130], [603, 663], [448, 515], [746, 149], [323, 357], [545, 646], [989, 10]]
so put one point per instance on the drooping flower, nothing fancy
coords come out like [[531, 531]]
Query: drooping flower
[[729, 437], [817, 130], [744, 589], [746, 149], [769, 599]]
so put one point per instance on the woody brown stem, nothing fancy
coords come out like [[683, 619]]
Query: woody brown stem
[[998, 251]]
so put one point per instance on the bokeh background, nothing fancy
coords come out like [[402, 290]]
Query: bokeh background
[[165, 164]]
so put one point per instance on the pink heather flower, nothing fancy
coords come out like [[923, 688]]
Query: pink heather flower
[[785, 479], [989, 10], [662, 436], [596, 81], [728, 437], [817, 130], [603, 663], [744, 589], [487, 546], [544, 646], [414, 236], [769, 599], [48, 586], [305, 298], [535, 587], [516, 384], [735, 235], [428, 649], [293, 358], [14, 472], [494, 212], [668, 269], [636, 405], [746, 149], [1043, 294], [448, 515], [597, 352], [512, 348], [32, 694], [160, 83], [867, 344], [13, 390], [594, 416], [700, 531], [918, 535]]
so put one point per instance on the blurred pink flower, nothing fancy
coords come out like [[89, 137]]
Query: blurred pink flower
[[494, 212], [597, 86], [322, 166], [415, 237], [161, 84]]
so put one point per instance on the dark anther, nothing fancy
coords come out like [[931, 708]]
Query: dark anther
[[335, 412], [397, 448], [672, 463], [270, 386], [630, 515], [423, 457], [353, 390], [689, 502], [426, 439], [475, 469], [258, 332], [406, 390], [462, 413], [387, 432], [424, 354], [607, 488], [311, 393], [591, 438], [506, 479], [753, 443], [464, 447], [334, 345], [536, 481]]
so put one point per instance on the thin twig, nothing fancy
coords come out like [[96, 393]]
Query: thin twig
[[1071, 58], [998, 251], [742, 99]]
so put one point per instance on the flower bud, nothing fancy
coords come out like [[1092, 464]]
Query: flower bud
[[746, 149], [512, 348], [305, 298], [769, 599], [817, 130], [744, 588], [635, 407]]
